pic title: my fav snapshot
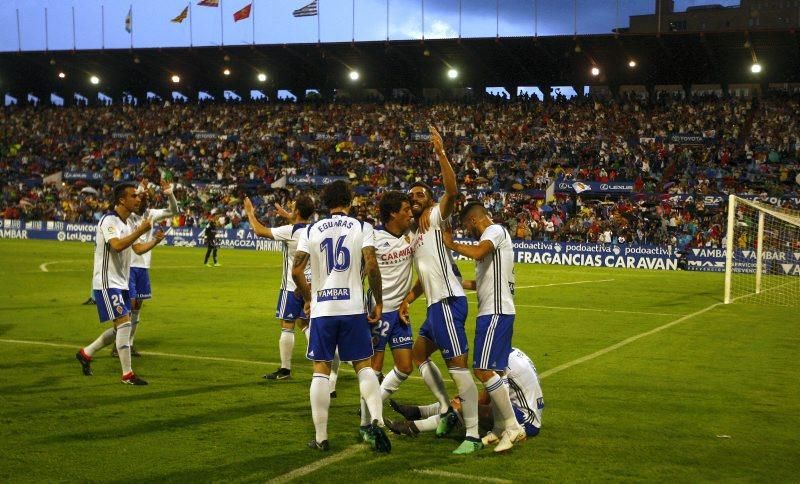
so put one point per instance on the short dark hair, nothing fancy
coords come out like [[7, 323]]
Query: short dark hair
[[390, 203], [337, 194], [119, 191], [468, 208], [426, 187], [305, 206]]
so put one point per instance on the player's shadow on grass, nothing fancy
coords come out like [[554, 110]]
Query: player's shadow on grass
[[144, 426]]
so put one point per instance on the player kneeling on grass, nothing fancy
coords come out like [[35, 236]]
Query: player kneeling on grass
[[526, 400], [112, 261]]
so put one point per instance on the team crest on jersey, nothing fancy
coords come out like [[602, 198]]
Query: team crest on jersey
[[119, 309], [407, 238]]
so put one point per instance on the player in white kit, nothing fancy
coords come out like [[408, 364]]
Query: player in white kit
[[394, 254], [290, 306], [112, 261], [494, 282], [337, 247], [139, 282], [526, 399], [443, 328]]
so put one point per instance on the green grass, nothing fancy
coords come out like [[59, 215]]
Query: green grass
[[649, 410]]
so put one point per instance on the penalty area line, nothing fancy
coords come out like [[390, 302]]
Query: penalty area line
[[456, 475]]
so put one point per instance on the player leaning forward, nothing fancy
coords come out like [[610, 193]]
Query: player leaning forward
[[112, 260], [336, 247], [494, 282]]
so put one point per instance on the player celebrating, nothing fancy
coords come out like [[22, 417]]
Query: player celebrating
[[290, 306], [443, 328], [139, 281], [112, 262], [526, 399], [337, 247], [494, 281]]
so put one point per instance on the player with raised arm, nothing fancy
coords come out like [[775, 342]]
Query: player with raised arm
[[443, 329], [139, 282], [494, 282], [112, 261], [394, 254], [337, 247], [526, 400], [290, 306]]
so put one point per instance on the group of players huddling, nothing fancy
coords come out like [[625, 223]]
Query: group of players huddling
[[322, 291]]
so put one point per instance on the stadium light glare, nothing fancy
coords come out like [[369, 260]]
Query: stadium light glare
[[61, 75], [595, 71], [176, 78], [94, 80], [755, 68], [227, 72], [631, 63], [262, 77], [354, 75], [452, 73]]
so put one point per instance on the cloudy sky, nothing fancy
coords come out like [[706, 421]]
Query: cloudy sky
[[101, 23]]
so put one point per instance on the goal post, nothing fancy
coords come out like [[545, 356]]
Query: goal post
[[762, 258]]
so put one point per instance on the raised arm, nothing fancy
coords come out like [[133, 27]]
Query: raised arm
[[375, 282], [477, 252], [448, 200], [260, 229]]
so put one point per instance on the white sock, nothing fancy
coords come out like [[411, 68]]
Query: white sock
[[334, 371], [433, 378], [134, 323], [392, 382], [428, 424], [469, 399], [124, 347], [371, 393], [430, 410], [320, 402], [501, 404], [105, 339], [365, 420], [286, 346]]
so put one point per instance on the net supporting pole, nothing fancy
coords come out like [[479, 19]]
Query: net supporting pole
[[729, 247], [759, 251]]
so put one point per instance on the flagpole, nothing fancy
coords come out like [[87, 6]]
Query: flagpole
[[130, 11], [387, 20], [102, 27], [318, 15], [74, 45], [46, 34], [19, 35], [422, 2], [191, 35], [459, 19], [221, 26], [253, 8], [354, 21], [535, 18]]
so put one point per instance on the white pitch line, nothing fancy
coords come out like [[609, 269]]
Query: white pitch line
[[594, 309], [43, 267], [455, 475], [305, 470], [563, 283]]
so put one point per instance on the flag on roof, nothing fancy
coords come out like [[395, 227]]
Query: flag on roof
[[308, 11], [208, 3], [243, 13], [181, 16]]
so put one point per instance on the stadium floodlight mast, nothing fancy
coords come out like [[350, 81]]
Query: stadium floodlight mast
[[755, 68], [452, 73], [262, 77], [354, 75], [176, 78], [595, 71], [94, 80]]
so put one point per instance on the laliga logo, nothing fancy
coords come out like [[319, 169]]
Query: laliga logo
[[616, 250], [61, 236], [557, 247], [604, 186]]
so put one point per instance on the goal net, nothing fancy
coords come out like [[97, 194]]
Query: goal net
[[763, 254]]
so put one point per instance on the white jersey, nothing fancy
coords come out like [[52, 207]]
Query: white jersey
[[289, 235], [334, 246], [495, 274], [111, 268], [156, 215], [436, 269], [394, 256], [524, 388]]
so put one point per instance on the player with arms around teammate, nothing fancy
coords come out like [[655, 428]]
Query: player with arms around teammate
[[139, 281], [290, 306], [112, 261], [494, 281], [394, 254], [336, 247], [443, 328]]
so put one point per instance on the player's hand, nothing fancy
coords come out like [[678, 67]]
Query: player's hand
[[436, 139], [424, 222], [375, 315], [159, 235], [282, 212], [307, 309], [166, 187], [146, 225], [403, 313], [248, 207]]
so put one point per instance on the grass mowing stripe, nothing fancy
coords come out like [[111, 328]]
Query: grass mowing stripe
[[308, 469], [455, 475]]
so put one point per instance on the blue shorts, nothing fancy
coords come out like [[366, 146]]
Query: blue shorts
[[290, 307], [445, 326], [530, 429], [493, 341], [350, 333], [112, 303], [392, 330], [139, 283]]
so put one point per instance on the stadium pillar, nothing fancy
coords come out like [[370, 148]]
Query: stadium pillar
[[578, 91], [546, 89], [512, 92]]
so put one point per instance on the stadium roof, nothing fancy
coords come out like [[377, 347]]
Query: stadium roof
[[668, 58]]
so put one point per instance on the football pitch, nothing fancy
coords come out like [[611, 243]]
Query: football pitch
[[646, 376]]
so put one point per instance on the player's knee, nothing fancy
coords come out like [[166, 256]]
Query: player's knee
[[484, 375]]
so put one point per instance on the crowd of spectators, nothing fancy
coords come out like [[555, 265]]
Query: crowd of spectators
[[505, 153]]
